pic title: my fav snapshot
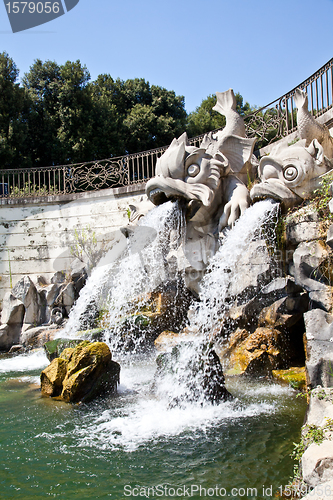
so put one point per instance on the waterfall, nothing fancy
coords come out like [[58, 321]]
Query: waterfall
[[133, 266], [223, 268]]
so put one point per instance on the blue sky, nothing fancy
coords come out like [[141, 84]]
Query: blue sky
[[260, 48]]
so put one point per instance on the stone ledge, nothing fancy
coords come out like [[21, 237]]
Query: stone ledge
[[64, 198]]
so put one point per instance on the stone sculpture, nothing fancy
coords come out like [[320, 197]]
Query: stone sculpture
[[290, 174], [211, 182]]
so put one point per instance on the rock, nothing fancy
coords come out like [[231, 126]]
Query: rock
[[294, 376], [52, 377], [90, 372], [26, 292], [57, 315], [253, 270], [42, 281], [320, 407], [12, 315], [15, 349], [67, 295], [9, 335], [294, 303], [322, 299], [319, 348], [59, 277], [317, 463], [54, 348], [13, 310], [81, 373], [254, 354], [52, 293], [167, 340], [323, 491], [33, 338], [284, 312], [302, 226], [329, 238], [196, 371], [307, 259]]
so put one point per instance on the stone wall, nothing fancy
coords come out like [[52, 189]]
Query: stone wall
[[38, 236]]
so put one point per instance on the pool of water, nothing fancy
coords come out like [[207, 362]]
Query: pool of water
[[135, 446]]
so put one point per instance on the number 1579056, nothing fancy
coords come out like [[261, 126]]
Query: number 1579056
[[33, 7]]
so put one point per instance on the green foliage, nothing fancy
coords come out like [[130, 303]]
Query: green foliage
[[59, 116], [311, 434], [323, 195], [31, 190], [14, 109], [86, 246]]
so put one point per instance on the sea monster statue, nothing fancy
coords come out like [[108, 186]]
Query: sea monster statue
[[211, 182], [290, 174]]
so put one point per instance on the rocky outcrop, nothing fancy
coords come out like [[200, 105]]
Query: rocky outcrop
[[196, 374], [82, 373], [318, 341], [43, 305]]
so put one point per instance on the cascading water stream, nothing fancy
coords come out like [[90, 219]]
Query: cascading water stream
[[137, 437], [223, 268], [134, 265], [185, 375], [142, 267]]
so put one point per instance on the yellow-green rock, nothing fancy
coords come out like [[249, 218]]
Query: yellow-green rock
[[52, 377], [293, 376], [256, 353], [81, 373]]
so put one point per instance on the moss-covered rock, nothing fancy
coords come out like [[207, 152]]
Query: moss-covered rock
[[54, 348], [294, 376], [90, 372], [53, 376], [81, 373]]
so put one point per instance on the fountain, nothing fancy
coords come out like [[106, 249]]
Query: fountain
[[198, 275]]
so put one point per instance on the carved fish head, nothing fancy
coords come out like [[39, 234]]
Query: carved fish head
[[291, 174], [186, 172]]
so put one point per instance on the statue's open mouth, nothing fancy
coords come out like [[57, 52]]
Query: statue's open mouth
[[276, 190], [157, 196], [161, 189]]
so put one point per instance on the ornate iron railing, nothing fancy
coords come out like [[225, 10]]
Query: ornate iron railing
[[278, 119], [267, 124]]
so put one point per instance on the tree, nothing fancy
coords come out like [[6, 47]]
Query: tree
[[60, 123], [13, 112], [204, 119]]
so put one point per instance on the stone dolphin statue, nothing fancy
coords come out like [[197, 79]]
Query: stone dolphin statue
[[290, 174], [210, 180], [309, 128]]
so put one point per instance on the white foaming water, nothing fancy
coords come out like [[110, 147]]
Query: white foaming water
[[146, 419], [138, 417], [142, 270], [223, 267], [133, 265], [24, 362]]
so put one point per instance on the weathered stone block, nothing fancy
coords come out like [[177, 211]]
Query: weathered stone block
[[317, 463], [319, 348]]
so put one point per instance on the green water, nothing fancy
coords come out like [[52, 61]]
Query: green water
[[106, 449]]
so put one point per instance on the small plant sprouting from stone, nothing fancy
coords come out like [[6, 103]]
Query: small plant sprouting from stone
[[311, 434], [86, 246], [331, 369], [323, 196], [129, 213]]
